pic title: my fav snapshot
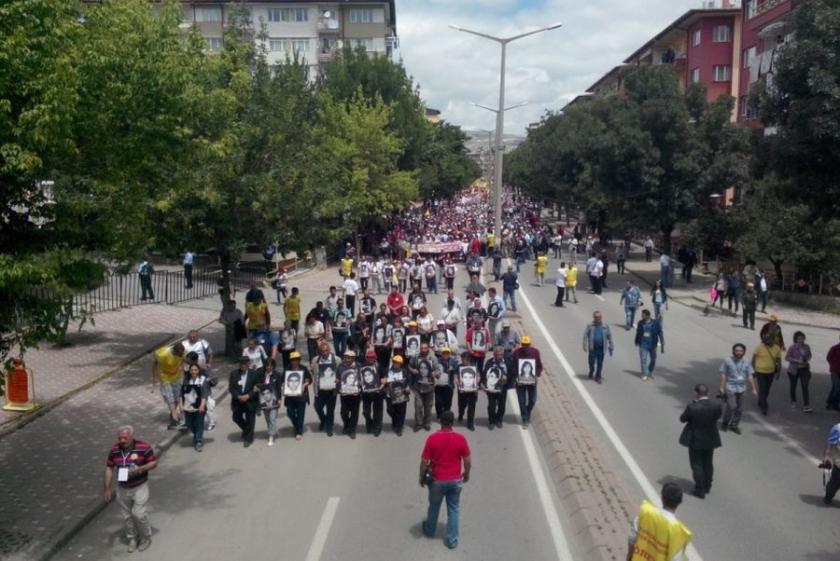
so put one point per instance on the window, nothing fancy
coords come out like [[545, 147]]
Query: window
[[299, 45], [276, 45], [695, 38], [213, 14], [214, 43], [275, 14], [748, 56], [723, 72], [361, 15], [300, 14], [695, 75], [288, 14], [367, 43], [288, 45], [721, 34], [748, 110]]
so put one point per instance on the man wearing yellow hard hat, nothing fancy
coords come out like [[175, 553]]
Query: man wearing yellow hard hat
[[527, 368]]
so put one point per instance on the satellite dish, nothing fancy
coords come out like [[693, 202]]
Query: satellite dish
[[326, 14]]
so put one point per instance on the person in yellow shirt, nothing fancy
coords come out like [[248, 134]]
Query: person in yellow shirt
[[491, 242], [167, 369], [292, 308], [257, 317], [346, 266], [767, 365], [571, 282], [540, 266], [656, 533]]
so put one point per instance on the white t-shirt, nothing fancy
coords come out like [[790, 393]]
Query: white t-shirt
[[257, 356], [350, 287], [561, 278], [314, 330], [201, 348]]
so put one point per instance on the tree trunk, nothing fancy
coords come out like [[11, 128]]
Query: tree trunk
[[666, 240], [224, 262], [777, 267]]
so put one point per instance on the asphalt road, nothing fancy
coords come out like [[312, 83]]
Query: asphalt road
[[334, 498], [766, 499]]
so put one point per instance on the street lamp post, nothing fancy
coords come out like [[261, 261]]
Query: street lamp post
[[500, 120]]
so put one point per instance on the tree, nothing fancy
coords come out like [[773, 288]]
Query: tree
[[445, 167]]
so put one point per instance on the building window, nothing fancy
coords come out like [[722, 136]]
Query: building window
[[214, 43], [695, 75], [300, 14], [721, 34], [276, 45], [288, 15], [366, 42], [213, 14], [288, 45], [299, 45], [748, 56], [275, 15], [361, 15], [748, 110], [695, 38], [723, 72]]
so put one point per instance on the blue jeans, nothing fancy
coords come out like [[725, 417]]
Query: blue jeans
[[596, 361], [657, 311], [629, 316], [833, 400], [527, 395], [665, 276], [647, 357], [451, 491], [339, 342], [195, 422], [510, 296]]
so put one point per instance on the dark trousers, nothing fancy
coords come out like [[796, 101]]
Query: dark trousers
[[431, 285], [764, 383], [702, 469], [803, 377], [592, 283], [312, 347], [245, 418], [350, 302], [527, 396], [619, 263], [195, 422], [762, 297], [397, 413], [350, 412], [188, 275], [732, 297], [372, 404], [450, 283], [833, 400], [602, 282], [339, 342], [833, 484], [732, 416], [466, 404], [296, 410], [287, 363], [559, 300], [146, 288], [598, 285], [325, 409], [496, 406], [363, 284], [749, 318], [596, 362], [443, 400]]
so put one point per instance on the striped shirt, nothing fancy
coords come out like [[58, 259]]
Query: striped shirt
[[138, 454]]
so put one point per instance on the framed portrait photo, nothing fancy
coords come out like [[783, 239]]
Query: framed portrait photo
[[527, 371], [379, 334], [350, 382], [293, 383], [479, 340], [493, 379], [326, 377], [398, 337], [412, 345], [370, 381], [469, 378]]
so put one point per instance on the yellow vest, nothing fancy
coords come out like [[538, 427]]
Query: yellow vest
[[491, 240], [346, 267], [169, 365], [660, 538], [542, 263], [571, 277], [255, 311]]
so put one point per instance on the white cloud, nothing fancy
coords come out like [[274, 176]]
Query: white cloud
[[455, 69]]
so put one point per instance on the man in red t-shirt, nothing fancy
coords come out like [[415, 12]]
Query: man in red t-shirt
[[445, 450]]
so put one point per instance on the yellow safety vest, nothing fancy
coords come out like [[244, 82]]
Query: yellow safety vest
[[660, 538], [491, 240]]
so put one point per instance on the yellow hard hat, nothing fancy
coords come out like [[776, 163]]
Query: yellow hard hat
[[398, 359], [293, 355], [526, 340]]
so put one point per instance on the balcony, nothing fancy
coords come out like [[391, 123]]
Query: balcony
[[326, 55], [756, 8], [329, 22]]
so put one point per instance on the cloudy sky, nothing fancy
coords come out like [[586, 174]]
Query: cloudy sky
[[455, 69]]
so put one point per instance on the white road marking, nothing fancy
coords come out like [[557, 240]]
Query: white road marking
[[599, 297], [561, 545], [647, 488], [323, 530], [789, 442]]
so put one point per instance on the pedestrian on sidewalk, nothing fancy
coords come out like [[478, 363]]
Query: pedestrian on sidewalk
[[349, 389], [767, 365], [620, 258], [234, 322], [243, 399], [188, 269], [773, 330], [649, 334], [597, 338], [833, 359], [700, 435], [444, 453], [763, 292], [656, 533], [397, 392], [665, 273], [167, 371], [831, 457], [145, 272], [527, 369], [733, 291], [296, 404], [718, 291], [734, 373], [571, 282], [195, 391], [270, 387], [748, 306], [560, 283], [648, 249], [510, 284], [659, 297], [631, 297], [132, 460], [798, 358]]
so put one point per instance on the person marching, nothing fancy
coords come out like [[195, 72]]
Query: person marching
[[467, 396], [648, 335], [296, 404], [526, 382], [324, 369], [349, 388], [397, 392], [444, 381], [373, 399], [734, 373], [700, 435], [495, 383], [270, 386], [243, 399], [656, 534]]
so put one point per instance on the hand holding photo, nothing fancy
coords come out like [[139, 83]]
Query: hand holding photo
[[527, 371]]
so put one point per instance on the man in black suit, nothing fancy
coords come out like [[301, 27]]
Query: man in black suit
[[244, 399], [701, 436]]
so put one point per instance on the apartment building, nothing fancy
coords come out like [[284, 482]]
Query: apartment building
[[313, 30]]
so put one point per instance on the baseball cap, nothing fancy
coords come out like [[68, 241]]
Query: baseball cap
[[441, 322], [293, 355], [349, 353], [505, 323], [398, 359], [526, 340], [412, 323]]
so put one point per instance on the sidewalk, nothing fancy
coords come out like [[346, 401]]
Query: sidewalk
[[696, 295]]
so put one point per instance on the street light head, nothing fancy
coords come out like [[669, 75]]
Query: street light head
[[455, 27], [554, 26]]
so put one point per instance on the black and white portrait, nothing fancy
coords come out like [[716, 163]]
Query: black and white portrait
[[412, 345], [527, 371], [192, 397], [326, 376], [370, 382], [425, 370], [494, 379], [493, 310], [340, 320], [417, 301], [468, 376], [268, 399], [367, 306], [287, 339], [350, 382], [479, 342], [398, 336], [379, 335], [293, 385], [441, 340]]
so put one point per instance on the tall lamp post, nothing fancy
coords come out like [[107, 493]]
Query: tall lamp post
[[500, 119]]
